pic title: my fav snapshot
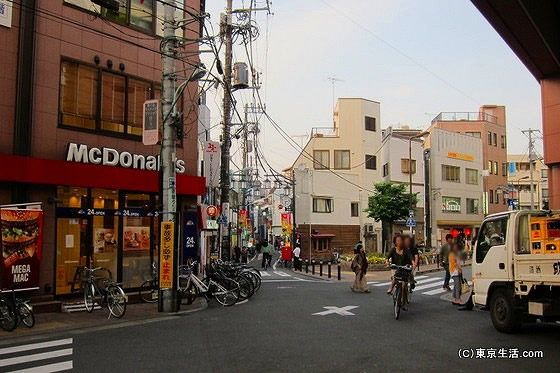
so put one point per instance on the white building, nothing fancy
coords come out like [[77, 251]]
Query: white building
[[454, 189]]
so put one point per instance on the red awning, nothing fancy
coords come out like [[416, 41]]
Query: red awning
[[31, 170], [323, 235]]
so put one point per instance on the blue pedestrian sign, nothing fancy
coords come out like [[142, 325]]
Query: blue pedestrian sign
[[410, 222], [222, 219]]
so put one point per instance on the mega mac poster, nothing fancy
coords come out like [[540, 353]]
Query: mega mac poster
[[22, 244]]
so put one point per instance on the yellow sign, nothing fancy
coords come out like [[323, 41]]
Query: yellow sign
[[464, 157], [166, 255]]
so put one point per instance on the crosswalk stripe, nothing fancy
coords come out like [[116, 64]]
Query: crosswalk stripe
[[35, 357], [372, 282], [429, 285], [434, 292], [383, 284], [34, 346], [282, 274], [56, 367], [420, 277], [265, 274], [431, 279]]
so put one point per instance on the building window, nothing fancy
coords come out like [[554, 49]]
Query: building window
[[495, 168], [78, 95], [544, 193], [354, 210], [471, 176], [370, 124], [489, 138], [495, 139], [386, 169], [503, 141], [473, 134], [321, 244], [490, 167], [491, 194], [321, 158], [544, 173], [451, 173], [371, 162], [342, 159], [138, 93], [112, 102], [472, 206], [405, 168], [504, 169], [451, 204], [323, 205], [497, 197]]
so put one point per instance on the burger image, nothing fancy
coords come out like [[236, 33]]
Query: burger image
[[20, 229]]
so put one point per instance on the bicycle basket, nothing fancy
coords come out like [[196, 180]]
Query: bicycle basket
[[401, 274]]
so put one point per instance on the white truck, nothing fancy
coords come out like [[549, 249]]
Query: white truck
[[516, 268]]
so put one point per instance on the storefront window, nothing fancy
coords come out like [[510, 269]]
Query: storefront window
[[105, 235], [71, 197], [71, 251], [141, 14], [136, 242]]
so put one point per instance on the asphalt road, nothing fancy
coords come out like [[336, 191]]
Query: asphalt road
[[277, 331]]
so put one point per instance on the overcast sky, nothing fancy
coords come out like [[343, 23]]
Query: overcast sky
[[417, 58]]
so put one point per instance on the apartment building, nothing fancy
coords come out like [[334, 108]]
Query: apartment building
[[519, 182], [453, 190], [74, 81], [397, 145], [489, 125], [333, 185]]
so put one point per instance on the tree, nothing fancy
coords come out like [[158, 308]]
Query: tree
[[390, 202]]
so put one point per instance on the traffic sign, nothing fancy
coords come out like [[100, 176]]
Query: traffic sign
[[410, 222], [222, 219], [211, 210]]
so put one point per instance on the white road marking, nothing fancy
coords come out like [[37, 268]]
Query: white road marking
[[292, 280], [242, 302], [274, 265], [372, 282], [265, 274], [282, 274], [383, 284], [342, 311], [284, 287], [34, 346], [56, 367], [431, 279], [434, 292], [35, 357], [428, 286]]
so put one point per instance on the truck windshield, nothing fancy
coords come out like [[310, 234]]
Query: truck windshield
[[493, 233]]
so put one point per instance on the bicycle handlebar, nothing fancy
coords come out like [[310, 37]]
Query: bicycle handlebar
[[407, 267]]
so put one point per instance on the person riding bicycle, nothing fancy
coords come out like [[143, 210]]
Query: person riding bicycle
[[400, 256], [409, 244], [267, 257]]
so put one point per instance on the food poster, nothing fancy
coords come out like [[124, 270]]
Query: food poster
[[104, 240], [22, 239], [136, 238]]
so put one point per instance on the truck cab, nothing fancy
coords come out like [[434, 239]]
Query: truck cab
[[516, 267]]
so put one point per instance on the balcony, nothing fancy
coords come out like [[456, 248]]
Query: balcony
[[465, 117], [324, 132]]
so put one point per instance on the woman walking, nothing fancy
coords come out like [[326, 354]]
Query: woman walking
[[456, 273], [359, 265]]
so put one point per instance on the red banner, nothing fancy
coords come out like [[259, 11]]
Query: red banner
[[287, 223], [242, 218], [22, 243]]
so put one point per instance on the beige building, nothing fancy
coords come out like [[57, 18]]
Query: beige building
[[489, 125], [454, 188], [332, 191], [519, 181]]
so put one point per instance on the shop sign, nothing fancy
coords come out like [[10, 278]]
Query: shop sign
[[211, 224], [110, 157], [22, 244], [286, 223], [461, 156], [243, 218], [150, 122], [211, 210], [166, 255], [64, 212], [6, 13], [211, 160], [451, 204], [189, 237]]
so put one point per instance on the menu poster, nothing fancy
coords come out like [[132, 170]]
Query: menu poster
[[22, 240], [136, 238], [104, 240]]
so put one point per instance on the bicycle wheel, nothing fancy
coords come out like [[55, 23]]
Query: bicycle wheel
[[89, 297], [226, 292], [149, 292], [190, 293], [245, 288], [8, 318], [409, 294], [255, 279], [26, 315], [397, 300], [116, 301]]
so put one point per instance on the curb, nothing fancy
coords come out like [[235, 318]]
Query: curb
[[309, 275]]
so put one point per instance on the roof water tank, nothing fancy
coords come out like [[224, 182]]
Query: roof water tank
[[240, 75]]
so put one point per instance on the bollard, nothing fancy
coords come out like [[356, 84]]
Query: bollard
[[338, 271], [437, 261], [329, 269], [321, 268], [313, 266], [285, 264], [306, 266]]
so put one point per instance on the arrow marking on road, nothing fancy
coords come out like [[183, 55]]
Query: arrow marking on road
[[342, 311]]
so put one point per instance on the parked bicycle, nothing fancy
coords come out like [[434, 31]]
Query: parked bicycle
[[400, 298], [15, 311], [103, 291], [149, 289], [8, 316]]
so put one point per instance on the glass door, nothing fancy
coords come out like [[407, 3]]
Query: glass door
[[71, 251], [105, 231]]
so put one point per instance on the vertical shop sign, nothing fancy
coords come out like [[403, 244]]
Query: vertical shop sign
[[150, 122], [211, 159], [166, 255], [242, 218], [190, 250], [287, 223], [22, 240]]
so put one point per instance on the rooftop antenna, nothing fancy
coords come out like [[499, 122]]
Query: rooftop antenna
[[333, 80]]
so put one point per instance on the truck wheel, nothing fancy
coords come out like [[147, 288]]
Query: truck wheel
[[504, 317]]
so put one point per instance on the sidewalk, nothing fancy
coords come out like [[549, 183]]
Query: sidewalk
[[63, 322]]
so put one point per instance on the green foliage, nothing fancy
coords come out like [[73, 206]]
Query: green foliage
[[390, 202]]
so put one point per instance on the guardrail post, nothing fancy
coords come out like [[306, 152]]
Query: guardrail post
[[306, 266], [313, 266], [329, 269], [321, 268], [338, 269]]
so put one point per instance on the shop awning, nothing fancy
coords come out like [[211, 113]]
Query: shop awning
[[19, 169], [323, 235]]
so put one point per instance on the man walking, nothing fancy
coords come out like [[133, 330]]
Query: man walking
[[444, 259], [297, 262]]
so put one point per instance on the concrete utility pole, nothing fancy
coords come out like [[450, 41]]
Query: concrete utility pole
[[169, 303], [226, 137], [529, 133]]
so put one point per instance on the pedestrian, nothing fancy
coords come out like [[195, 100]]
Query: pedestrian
[[359, 266], [356, 248], [410, 246], [237, 254], [297, 261], [456, 273], [444, 259], [244, 254], [266, 255]]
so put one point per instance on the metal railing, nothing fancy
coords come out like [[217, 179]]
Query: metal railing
[[324, 132], [465, 116]]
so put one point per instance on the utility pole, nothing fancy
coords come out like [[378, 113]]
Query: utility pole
[[529, 133], [226, 137], [169, 301]]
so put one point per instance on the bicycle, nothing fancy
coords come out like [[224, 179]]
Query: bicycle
[[8, 316], [149, 289], [225, 290], [103, 291], [401, 276]]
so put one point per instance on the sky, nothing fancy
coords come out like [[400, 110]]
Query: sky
[[417, 58]]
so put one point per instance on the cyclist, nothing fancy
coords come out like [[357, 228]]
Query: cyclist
[[409, 244], [267, 257], [401, 256]]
